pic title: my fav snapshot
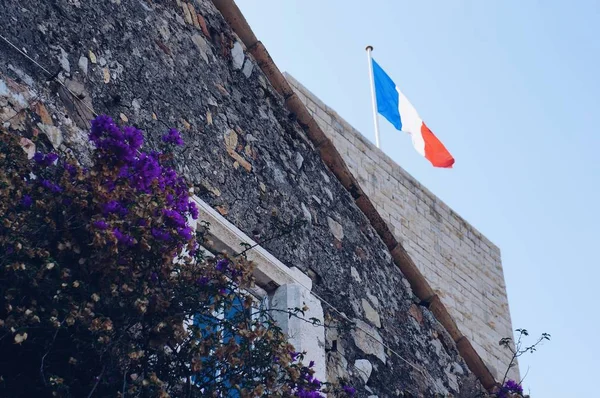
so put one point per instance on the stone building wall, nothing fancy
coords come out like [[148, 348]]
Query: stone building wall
[[164, 63], [461, 264]]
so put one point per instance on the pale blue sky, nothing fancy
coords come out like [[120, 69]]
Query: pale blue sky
[[511, 88]]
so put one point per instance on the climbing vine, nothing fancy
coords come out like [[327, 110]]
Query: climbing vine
[[105, 289]]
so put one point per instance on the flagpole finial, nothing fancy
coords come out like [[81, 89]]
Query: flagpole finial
[[369, 48]]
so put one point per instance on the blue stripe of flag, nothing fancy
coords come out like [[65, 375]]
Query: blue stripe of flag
[[387, 96]]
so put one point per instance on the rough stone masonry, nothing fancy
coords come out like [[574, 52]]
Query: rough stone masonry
[[162, 64]]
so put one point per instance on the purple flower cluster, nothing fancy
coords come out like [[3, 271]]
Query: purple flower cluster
[[122, 238], [173, 137], [510, 387], [114, 206], [185, 232], [174, 219], [308, 394], [161, 234], [72, 170], [514, 386], [26, 201], [45, 160], [349, 390], [202, 280], [221, 265], [51, 186], [144, 172], [113, 143], [193, 210], [100, 224], [130, 183], [312, 381], [310, 386]]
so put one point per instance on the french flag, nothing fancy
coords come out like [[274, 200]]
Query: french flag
[[394, 106]]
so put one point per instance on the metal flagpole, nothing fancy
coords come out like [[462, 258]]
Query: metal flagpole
[[373, 99]]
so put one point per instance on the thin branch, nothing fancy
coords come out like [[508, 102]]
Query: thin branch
[[98, 378], [295, 315], [523, 378], [48, 352], [514, 356], [124, 382]]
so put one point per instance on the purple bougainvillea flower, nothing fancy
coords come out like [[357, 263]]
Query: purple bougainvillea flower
[[134, 137], [193, 209], [174, 218], [51, 186], [513, 386], [113, 144], [349, 390], [111, 207], [185, 232], [124, 172], [169, 178], [118, 234], [100, 125], [194, 249], [294, 355], [100, 224], [50, 158], [38, 157], [160, 234], [202, 281], [123, 238], [222, 265], [173, 137], [26, 201], [145, 171], [45, 160], [311, 364], [71, 169]]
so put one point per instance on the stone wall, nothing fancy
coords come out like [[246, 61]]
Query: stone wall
[[461, 264], [164, 63]]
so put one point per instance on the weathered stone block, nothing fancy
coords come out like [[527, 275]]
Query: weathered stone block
[[364, 369], [370, 313], [368, 340]]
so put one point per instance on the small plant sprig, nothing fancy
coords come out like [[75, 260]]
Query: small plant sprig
[[511, 388]]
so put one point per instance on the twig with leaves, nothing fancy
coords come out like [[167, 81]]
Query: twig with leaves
[[519, 349]]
